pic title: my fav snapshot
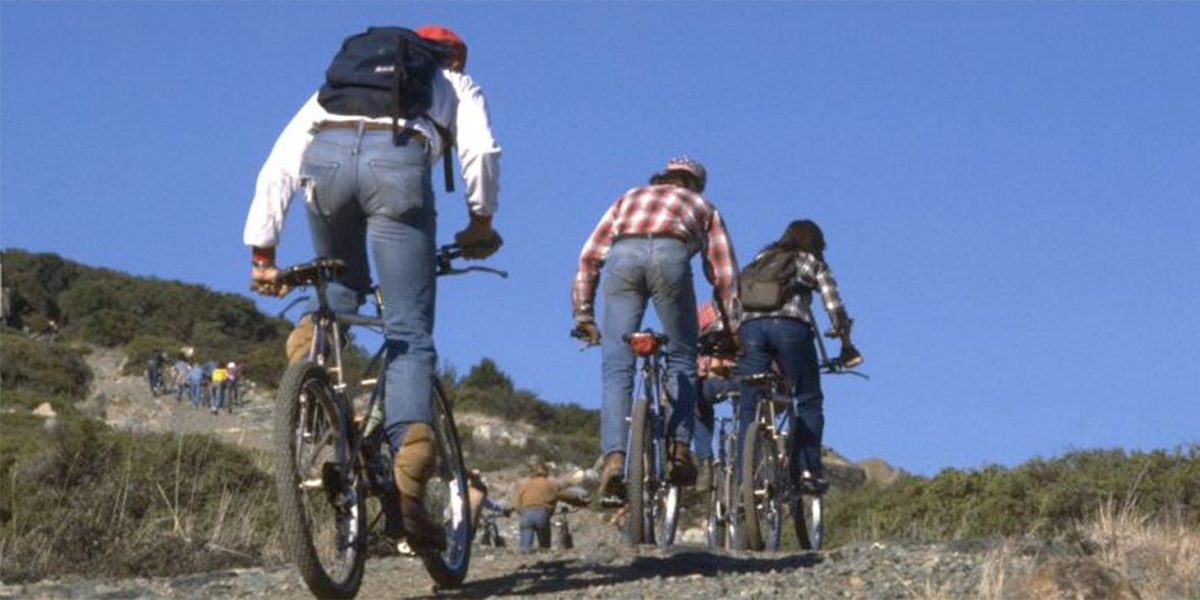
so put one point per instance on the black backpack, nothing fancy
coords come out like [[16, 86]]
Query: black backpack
[[385, 72], [768, 281]]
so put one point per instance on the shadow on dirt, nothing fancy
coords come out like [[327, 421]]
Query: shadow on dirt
[[576, 573]]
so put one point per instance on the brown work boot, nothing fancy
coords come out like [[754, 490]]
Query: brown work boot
[[612, 475], [300, 340], [412, 467], [683, 470]]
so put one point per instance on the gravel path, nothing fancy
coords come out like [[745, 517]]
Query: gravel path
[[614, 570]]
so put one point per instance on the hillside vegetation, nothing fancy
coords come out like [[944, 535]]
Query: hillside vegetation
[[79, 498]]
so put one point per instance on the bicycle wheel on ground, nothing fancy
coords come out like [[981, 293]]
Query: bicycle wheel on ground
[[808, 520], [639, 524], [321, 503], [446, 495], [718, 513], [760, 487]]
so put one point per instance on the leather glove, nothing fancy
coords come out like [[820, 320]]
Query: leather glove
[[263, 281], [478, 240], [587, 331]]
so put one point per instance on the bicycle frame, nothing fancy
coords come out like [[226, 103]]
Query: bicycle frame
[[653, 378]]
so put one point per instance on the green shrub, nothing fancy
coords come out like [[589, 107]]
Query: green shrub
[[50, 369]]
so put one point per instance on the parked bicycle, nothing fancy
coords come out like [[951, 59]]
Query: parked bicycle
[[489, 531], [562, 528], [331, 457]]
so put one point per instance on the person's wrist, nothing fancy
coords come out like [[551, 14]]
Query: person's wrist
[[262, 258]]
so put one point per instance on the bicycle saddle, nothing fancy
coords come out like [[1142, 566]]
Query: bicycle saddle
[[310, 273]]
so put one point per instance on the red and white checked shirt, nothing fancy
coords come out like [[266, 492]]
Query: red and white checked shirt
[[667, 210]]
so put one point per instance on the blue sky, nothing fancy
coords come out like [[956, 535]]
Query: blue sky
[[1011, 192]]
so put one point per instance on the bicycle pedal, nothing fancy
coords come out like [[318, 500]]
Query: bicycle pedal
[[405, 550]]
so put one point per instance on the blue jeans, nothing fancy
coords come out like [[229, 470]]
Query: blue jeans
[[217, 401], [360, 188], [709, 388], [196, 389], [636, 270], [535, 522], [790, 343]]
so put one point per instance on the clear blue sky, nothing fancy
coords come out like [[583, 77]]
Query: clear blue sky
[[1011, 192]]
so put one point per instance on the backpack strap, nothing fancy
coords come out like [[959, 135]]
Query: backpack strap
[[447, 144], [398, 63]]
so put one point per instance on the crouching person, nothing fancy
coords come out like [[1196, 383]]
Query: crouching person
[[537, 498]]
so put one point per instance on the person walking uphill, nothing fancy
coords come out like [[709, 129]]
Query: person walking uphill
[[537, 498], [361, 149], [781, 329], [645, 242]]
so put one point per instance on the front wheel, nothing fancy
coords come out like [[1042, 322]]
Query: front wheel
[[321, 502], [760, 487], [446, 496]]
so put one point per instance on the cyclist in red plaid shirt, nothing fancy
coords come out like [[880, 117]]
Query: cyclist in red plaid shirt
[[645, 243]]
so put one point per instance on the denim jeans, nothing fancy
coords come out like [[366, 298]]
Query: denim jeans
[[635, 271], [791, 344], [535, 522], [360, 190], [217, 401], [702, 437]]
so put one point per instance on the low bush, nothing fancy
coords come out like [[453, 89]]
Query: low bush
[[81, 498]]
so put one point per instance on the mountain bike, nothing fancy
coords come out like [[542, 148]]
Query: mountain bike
[[769, 485], [653, 501], [562, 528], [332, 456], [489, 531]]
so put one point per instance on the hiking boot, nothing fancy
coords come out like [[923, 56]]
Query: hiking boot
[[612, 475], [704, 480], [412, 467], [300, 340], [683, 470]]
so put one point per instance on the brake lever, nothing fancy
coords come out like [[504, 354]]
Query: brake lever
[[464, 270]]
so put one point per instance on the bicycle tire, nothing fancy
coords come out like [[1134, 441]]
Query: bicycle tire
[[762, 518], [808, 519], [718, 514], [322, 507], [638, 527], [446, 495]]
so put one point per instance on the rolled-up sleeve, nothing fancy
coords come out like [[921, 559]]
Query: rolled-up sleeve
[[478, 152], [280, 178]]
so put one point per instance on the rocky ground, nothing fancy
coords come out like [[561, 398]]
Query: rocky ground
[[601, 565], [607, 568]]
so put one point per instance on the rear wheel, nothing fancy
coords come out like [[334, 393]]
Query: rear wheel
[[808, 520], [718, 511], [760, 492], [446, 497], [639, 527], [321, 502]]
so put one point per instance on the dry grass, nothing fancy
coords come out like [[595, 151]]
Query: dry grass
[[1161, 557]]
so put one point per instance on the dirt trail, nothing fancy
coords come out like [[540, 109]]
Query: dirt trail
[[126, 403]]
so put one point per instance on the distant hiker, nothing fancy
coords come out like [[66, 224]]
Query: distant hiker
[[645, 242], [182, 369], [537, 498], [217, 390], [196, 384], [781, 328], [477, 497], [714, 366], [361, 150], [154, 366], [232, 378]]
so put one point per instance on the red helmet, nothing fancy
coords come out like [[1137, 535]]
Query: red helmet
[[447, 37]]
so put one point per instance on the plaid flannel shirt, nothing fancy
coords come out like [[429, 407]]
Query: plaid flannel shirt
[[811, 274], [666, 210]]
